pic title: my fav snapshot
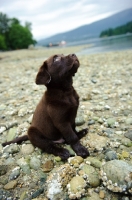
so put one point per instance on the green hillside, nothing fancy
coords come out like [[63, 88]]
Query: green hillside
[[127, 28]]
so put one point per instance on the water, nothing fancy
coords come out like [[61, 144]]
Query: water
[[113, 43]]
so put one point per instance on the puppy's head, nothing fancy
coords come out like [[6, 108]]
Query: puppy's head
[[57, 68]]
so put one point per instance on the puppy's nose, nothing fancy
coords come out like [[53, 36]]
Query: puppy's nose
[[72, 55]]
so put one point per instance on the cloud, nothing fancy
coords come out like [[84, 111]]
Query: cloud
[[49, 17]]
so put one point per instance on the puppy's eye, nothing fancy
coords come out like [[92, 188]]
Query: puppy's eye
[[57, 58]]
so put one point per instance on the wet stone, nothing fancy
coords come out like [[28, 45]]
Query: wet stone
[[116, 174], [57, 158], [22, 112], [94, 162], [11, 134], [126, 142], [9, 161], [111, 122], [2, 107], [10, 185], [60, 178], [111, 155], [12, 148], [106, 107], [129, 121], [15, 173], [125, 154], [87, 97], [128, 134], [101, 194], [76, 187], [37, 193], [79, 120], [91, 174], [72, 153], [24, 165], [2, 129], [118, 132], [35, 163], [93, 80], [109, 132], [3, 170], [27, 149], [100, 120], [48, 166], [76, 161], [23, 195], [43, 179], [3, 180], [97, 142], [91, 122]]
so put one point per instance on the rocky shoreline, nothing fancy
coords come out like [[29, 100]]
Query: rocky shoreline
[[104, 85]]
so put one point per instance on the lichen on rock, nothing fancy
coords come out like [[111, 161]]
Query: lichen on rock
[[58, 180]]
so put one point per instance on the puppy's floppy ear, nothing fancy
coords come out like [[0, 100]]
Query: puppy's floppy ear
[[43, 77]]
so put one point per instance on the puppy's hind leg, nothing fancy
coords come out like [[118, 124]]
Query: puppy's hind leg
[[38, 140]]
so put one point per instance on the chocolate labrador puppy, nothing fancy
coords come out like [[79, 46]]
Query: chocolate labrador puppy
[[54, 118]]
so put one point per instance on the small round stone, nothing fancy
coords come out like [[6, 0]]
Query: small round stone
[[48, 166], [10, 185], [77, 184], [27, 149]]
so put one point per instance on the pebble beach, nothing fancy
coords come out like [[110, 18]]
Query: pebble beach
[[104, 84]]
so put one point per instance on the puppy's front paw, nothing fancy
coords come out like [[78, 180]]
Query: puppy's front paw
[[64, 154], [80, 150], [82, 133]]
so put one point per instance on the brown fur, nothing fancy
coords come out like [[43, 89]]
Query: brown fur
[[54, 117]]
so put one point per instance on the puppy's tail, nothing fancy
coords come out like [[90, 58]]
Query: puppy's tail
[[18, 140]]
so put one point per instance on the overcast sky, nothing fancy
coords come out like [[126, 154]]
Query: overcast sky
[[49, 17]]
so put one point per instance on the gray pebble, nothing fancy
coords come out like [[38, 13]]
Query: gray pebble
[[22, 112], [11, 134], [93, 81], [9, 161], [100, 120], [119, 173], [27, 149], [15, 173], [94, 162], [12, 148], [3, 180], [109, 132], [93, 176], [126, 142], [2, 107], [72, 153], [111, 122], [79, 120], [2, 129], [91, 122], [128, 134], [35, 163], [129, 121], [111, 155], [37, 193], [3, 170], [24, 165], [106, 107]]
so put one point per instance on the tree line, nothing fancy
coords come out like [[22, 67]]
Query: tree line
[[127, 28], [13, 35]]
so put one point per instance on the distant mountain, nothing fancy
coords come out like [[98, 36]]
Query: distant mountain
[[91, 30]]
